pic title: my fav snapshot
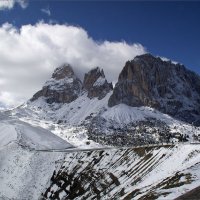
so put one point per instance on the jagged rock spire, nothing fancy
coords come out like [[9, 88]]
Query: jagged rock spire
[[63, 71], [96, 84], [63, 87]]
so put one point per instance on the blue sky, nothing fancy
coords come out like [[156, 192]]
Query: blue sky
[[169, 29], [37, 36]]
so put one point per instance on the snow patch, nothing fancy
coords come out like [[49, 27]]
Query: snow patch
[[168, 60], [54, 84], [99, 82]]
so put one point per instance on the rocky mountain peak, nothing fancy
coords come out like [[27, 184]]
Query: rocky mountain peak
[[147, 58], [63, 87], [150, 81], [91, 77], [96, 84], [63, 72]]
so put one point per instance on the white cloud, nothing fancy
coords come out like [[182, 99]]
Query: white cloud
[[22, 3], [29, 55], [9, 4], [8, 99], [46, 11], [6, 4]]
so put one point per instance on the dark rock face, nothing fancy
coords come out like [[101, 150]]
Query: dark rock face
[[63, 87], [63, 72], [167, 87], [96, 84]]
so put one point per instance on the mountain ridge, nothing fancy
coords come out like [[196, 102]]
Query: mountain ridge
[[167, 87], [78, 113], [124, 123]]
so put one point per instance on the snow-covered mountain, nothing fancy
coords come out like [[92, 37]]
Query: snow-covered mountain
[[127, 173], [24, 170], [24, 173], [165, 86], [154, 101], [124, 174], [28, 136]]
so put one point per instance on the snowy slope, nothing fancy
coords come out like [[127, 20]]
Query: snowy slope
[[13, 131], [89, 123], [140, 173], [128, 173], [73, 113], [123, 115], [23, 173], [79, 113], [82, 120], [7, 134], [64, 120]]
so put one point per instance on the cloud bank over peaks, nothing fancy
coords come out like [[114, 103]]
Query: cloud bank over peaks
[[29, 55], [9, 4]]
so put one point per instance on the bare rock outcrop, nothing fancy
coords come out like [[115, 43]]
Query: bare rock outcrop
[[163, 85], [63, 87], [96, 84]]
